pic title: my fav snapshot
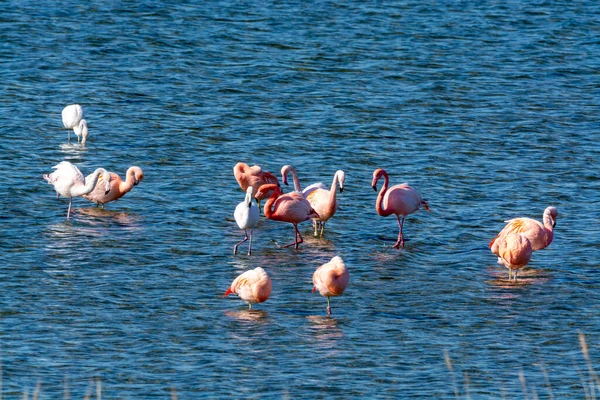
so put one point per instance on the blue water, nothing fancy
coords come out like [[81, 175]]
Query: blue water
[[489, 109]]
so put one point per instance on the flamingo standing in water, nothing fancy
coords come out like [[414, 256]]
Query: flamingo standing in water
[[81, 130], [289, 207], [71, 118], [246, 215], [68, 181], [540, 235], [253, 176], [513, 250], [331, 279], [118, 187], [253, 286], [398, 200], [324, 201]]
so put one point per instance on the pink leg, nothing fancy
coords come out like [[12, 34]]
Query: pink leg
[[400, 240], [250, 245], [296, 241], [242, 241]]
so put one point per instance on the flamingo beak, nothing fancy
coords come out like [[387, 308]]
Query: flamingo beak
[[285, 181], [341, 189], [375, 187], [228, 292], [314, 288]]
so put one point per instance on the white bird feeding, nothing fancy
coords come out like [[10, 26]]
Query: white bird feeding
[[71, 118], [246, 215]]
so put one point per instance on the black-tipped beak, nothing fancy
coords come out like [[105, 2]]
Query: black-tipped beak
[[106, 191], [341, 189], [553, 224], [375, 187]]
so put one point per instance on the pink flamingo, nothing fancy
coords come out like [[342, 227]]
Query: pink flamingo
[[253, 286], [513, 250], [118, 187], [398, 200], [540, 235], [331, 279], [68, 181], [324, 201], [290, 207], [253, 176]]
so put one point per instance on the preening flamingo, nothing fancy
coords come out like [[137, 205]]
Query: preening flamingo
[[81, 130], [285, 170], [540, 235], [513, 250], [331, 279], [289, 207], [324, 201], [118, 187], [68, 181], [71, 117], [398, 200], [253, 286], [246, 215], [253, 176]]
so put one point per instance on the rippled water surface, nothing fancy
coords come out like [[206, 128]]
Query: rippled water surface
[[489, 109]]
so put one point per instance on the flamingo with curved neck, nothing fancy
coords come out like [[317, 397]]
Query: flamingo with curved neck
[[253, 286], [81, 129], [253, 176], [68, 181], [118, 187], [71, 117], [285, 170], [398, 200], [513, 251], [324, 201], [289, 207]]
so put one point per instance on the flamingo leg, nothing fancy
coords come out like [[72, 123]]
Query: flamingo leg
[[242, 241], [328, 306], [315, 226], [250, 245], [249, 306], [296, 241], [69, 132], [69, 210], [322, 228], [516, 273], [400, 241], [103, 206]]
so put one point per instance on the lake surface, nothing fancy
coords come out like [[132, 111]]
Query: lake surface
[[489, 109]]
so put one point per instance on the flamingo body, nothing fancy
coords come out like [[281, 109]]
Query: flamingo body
[[331, 279], [324, 201], [514, 250], [71, 117], [118, 187], [253, 176], [289, 207], [539, 234], [253, 286], [246, 216], [400, 200], [68, 181]]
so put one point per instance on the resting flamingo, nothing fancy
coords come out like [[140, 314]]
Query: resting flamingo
[[68, 181], [513, 250], [71, 117], [289, 207], [331, 279], [253, 176], [540, 235], [324, 201], [246, 215], [398, 200], [253, 286], [81, 130], [118, 187]]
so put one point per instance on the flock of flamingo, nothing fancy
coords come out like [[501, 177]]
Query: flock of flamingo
[[514, 245], [101, 186]]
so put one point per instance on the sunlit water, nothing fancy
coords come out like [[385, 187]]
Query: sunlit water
[[489, 109]]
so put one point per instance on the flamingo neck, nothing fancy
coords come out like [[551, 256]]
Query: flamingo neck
[[379, 205], [89, 185], [297, 186], [268, 210]]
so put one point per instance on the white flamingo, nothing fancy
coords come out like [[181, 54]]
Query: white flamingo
[[81, 131], [246, 215], [68, 181], [71, 117]]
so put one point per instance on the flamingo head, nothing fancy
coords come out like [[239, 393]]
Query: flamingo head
[[138, 174], [265, 189], [377, 174], [284, 173]]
